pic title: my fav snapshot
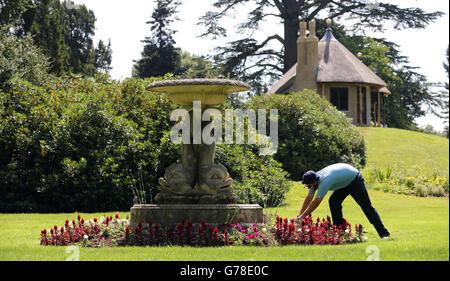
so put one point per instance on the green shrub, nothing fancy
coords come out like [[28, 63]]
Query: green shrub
[[83, 144], [394, 181], [312, 133], [78, 144], [257, 179]]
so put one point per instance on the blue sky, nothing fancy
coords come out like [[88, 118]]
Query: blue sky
[[125, 25]]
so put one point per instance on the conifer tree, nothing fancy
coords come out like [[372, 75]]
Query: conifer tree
[[159, 55]]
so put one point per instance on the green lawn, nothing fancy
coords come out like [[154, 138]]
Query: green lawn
[[406, 151], [419, 226], [419, 229]]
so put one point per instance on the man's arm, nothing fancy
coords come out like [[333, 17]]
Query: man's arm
[[314, 204], [309, 197]]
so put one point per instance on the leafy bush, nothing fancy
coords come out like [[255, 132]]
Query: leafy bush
[[312, 133], [257, 179], [20, 59], [83, 144], [77, 144]]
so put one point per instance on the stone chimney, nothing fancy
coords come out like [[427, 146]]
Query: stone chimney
[[307, 57]]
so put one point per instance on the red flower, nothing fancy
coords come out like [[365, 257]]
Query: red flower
[[95, 220], [79, 217], [117, 215]]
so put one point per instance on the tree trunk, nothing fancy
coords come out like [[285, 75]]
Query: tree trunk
[[291, 30], [291, 21]]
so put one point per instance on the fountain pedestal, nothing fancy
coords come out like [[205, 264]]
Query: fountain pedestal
[[244, 214], [198, 188]]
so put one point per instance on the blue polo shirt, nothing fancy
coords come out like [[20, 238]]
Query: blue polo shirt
[[334, 177]]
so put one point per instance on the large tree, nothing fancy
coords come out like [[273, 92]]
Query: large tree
[[446, 96], [63, 32], [159, 55], [252, 59]]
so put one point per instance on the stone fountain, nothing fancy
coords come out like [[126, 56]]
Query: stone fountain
[[198, 188]]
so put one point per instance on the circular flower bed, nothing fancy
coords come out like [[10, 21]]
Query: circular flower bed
[[113, 231]]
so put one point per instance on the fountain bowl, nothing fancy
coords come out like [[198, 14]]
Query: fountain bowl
[[207, 91]]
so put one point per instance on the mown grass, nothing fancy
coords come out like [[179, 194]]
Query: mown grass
[[419, 229], [419, 226], [412, 153]]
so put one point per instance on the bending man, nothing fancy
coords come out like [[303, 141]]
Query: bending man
[[343, 180]]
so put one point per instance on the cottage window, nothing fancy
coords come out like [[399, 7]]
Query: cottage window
[[339, 98]]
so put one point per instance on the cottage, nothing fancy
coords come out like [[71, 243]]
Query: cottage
[[331, 70]]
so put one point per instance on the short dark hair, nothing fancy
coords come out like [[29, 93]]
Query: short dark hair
[[310, 177]]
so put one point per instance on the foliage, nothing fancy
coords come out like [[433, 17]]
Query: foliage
[[103, 56], [159, 56], [98, 144], [445, 94], [77, 144], [391, 180], [192, 66], [312, 133], [257, 179], [20, 59], [63, 33]]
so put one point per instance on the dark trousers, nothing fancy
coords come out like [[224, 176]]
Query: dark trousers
[[357, 189]]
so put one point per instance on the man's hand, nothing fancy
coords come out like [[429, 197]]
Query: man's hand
[[314, 204], [299, 218]]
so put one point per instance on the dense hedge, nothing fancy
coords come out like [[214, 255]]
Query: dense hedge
[[80, 144], [312, 133]]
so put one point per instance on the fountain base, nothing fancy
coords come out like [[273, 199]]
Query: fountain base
[[244, 214]]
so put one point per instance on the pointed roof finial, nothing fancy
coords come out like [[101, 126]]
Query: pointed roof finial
[[328, 34]]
